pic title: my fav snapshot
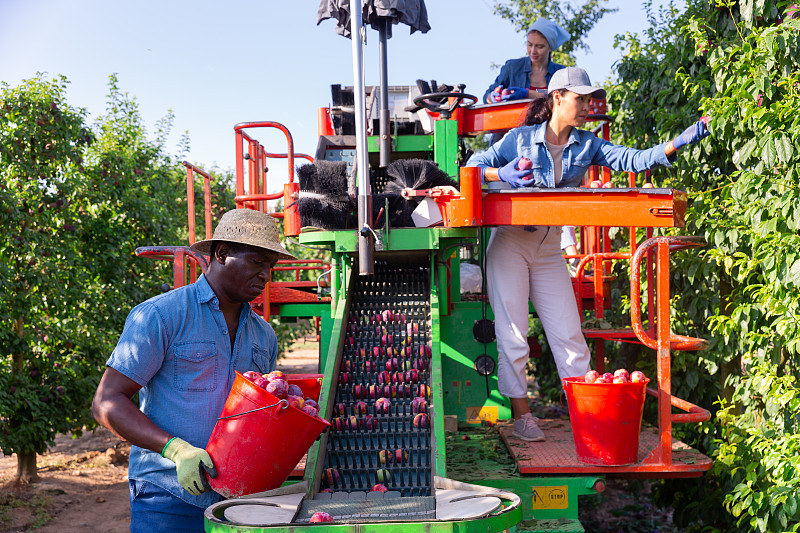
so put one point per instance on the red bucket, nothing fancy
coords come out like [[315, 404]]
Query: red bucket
[[311, 384], [258, 440], [606, 420]]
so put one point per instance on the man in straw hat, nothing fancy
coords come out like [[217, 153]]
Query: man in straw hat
[[179, 351]]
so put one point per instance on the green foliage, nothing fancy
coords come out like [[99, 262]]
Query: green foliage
[[42, 141], [75, 202], [578, 21], [473, 145], [760, 452], [737, 62]]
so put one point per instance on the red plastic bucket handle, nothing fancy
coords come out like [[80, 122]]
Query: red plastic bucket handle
[[284, 402]]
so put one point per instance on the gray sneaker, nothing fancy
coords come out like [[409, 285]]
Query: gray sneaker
[[527, 428]]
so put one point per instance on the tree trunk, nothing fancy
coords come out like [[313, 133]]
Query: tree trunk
[[26, 468], [26, 462]]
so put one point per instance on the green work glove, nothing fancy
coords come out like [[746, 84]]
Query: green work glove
[[192, 463]]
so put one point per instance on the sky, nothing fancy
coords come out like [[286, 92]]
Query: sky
[[215, 64]]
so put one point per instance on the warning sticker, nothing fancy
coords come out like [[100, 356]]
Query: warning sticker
[[476, 415], [550, 497]]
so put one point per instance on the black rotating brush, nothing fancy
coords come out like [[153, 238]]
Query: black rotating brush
[[324, 201], [417, 174]]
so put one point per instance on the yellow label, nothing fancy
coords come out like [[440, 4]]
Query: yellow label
[[476, 415], [550, 497]]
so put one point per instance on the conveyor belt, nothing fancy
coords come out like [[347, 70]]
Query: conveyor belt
[[384, 383]]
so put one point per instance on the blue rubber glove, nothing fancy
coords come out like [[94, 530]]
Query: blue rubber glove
[[496, 94], [692, 134], [512, 176], [517, 93]]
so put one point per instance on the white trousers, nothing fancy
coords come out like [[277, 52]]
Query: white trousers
[[523, 265]]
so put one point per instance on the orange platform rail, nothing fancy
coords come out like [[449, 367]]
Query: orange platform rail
[[251, 193], [582, 206]]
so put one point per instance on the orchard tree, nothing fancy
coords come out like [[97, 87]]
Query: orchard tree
[[45, 378], [753, 223], [736, 61], [74, 203], [577, 20]]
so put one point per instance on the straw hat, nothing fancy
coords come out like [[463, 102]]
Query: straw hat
[[246, 226]]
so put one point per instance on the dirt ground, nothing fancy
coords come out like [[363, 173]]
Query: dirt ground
[[84, 486], [84, 481]]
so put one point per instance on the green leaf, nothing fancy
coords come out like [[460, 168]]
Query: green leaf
[[784, 148], [741, 155], [768, 154], [769, 41], [791, 505], [794, 273]]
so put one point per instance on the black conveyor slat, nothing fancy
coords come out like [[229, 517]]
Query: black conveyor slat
[[386, 354]]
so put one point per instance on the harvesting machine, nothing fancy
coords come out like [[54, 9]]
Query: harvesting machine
[[393, 321]]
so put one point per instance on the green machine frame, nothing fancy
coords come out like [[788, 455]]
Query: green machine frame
[[463, 398], [460, 393]]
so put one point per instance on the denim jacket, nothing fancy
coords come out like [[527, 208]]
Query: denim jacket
[[176, 346], [583, 149], [517, 73]]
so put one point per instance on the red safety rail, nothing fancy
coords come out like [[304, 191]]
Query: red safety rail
[[184, 261], [251, 193], [481, 119], [190, 170], [664, 342], [181, 257], [256, 157]]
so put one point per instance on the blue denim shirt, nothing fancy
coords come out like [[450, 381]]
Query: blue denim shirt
[[583, 149], [176, 346], [517, 73]]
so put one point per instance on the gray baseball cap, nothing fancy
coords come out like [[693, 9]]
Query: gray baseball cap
[[574, 79]]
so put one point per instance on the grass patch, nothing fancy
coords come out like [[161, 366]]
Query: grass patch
[[34, 502]]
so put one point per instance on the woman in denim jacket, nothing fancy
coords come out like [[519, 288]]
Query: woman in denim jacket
[[527, 77], [528, 260]]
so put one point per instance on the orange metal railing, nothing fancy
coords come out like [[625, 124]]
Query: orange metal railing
[[664, 342], [251, 193], [256, 156], [470, 207]]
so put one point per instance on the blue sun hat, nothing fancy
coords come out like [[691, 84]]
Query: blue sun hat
[[555, 34]]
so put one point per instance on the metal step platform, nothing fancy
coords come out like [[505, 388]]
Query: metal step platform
[[557, 454]]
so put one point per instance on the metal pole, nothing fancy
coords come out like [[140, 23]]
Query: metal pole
[[385, 155], [366, 242]]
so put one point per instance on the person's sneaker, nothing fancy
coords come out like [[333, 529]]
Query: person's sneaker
[[526, 428]]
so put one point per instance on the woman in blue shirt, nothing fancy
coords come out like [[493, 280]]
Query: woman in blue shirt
[[527, 77], [528, 260]]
